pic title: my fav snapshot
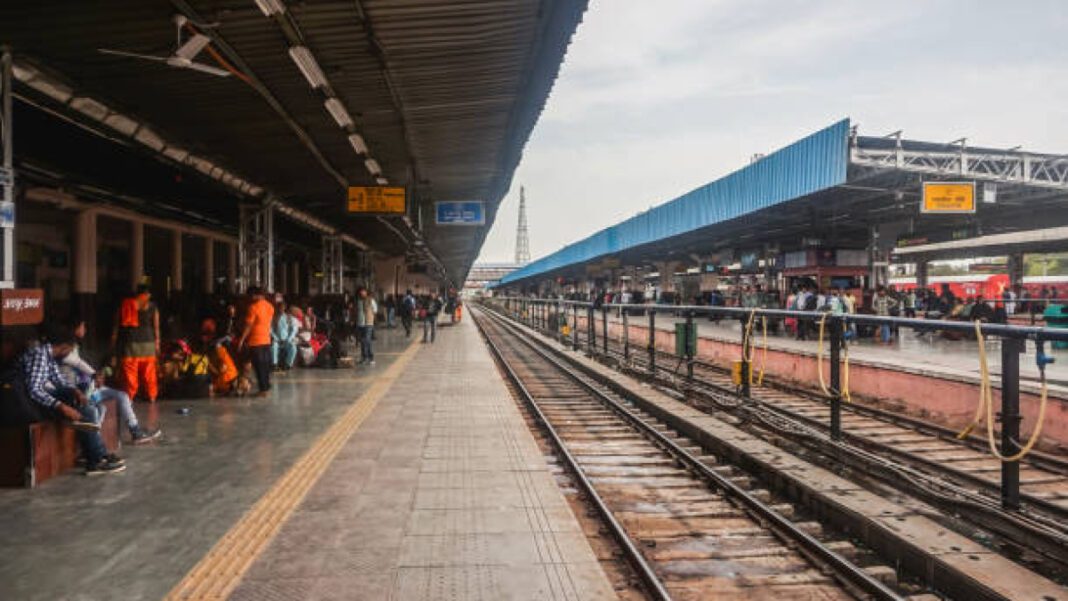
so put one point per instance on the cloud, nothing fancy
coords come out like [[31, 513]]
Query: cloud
[[657, 98]]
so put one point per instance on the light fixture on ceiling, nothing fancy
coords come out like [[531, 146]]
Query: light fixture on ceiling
[[381, 181], [373, 166], [149, 138], [307, 65], [176, 154], [271, 7], [338, 112], [121, 123], [90, 107], [358, 144]]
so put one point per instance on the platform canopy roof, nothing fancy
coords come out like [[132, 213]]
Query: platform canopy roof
[[442, 96], [831, 189]]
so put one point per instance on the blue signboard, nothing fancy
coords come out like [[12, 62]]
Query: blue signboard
[[464, 212]]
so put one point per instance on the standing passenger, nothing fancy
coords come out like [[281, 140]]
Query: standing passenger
[[366, 308], [257, 337], [135, 339], [430, 322], [407, 312]]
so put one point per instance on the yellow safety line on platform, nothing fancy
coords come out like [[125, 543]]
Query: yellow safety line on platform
[[220, 571]]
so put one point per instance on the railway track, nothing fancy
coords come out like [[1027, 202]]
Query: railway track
[[691, 527], [922, 460]]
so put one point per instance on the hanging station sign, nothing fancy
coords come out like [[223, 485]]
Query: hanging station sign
[[377, 200], [948, 197], [463, 212]]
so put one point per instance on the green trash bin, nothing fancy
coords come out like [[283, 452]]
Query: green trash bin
[[681, 340], [1056, 316]]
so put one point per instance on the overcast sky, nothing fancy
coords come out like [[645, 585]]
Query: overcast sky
[[657, 98]]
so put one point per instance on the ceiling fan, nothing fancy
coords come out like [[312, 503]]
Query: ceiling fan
[[183, 54]]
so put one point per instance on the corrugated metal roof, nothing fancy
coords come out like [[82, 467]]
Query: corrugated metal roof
[[814, 163], [444, 93]]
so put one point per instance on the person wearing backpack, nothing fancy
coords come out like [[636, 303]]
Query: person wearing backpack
[[407, 312], [430, 320]]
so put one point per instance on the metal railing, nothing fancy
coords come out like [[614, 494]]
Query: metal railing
[[549, 315]]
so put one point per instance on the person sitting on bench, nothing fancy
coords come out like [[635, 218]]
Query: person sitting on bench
[[39, 369], [77, 371]]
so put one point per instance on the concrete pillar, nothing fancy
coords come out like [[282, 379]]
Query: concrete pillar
[[137, 253], [85, 253], [294, 277], [176, 260], [921, 274], [84, 265], [231, 267], [209, 265], [282, 284]]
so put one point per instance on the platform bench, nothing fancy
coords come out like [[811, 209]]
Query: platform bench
[[33, 453]]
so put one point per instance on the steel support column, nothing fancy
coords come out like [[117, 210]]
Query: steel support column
[[256, 246], [7, 174], [333, 265]]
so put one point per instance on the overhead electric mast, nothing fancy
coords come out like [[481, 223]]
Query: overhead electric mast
[[522, 239]]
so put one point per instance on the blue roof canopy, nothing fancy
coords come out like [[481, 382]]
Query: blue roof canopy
[[809, 165]]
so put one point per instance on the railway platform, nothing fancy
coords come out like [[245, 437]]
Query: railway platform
[[413, 479]]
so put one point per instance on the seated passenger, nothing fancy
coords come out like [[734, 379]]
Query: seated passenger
[[284, 332], [38, 372], [77, 371]]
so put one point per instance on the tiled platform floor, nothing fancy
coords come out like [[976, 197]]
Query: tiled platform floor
[[441, 494]]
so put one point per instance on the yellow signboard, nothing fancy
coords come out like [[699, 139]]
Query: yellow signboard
[[948, 197], [377, 199]]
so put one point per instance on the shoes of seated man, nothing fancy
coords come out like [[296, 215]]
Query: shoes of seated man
[[143, 436], [104, 467], [84, 426]]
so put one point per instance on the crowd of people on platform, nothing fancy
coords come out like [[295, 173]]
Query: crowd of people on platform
[[234, 342], [886, 301]]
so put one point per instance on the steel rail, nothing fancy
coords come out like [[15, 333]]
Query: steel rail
[[1044, 531], [652, 582], [784, 528]]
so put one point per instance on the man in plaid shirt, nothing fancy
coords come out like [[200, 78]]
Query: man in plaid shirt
[[39, 367]]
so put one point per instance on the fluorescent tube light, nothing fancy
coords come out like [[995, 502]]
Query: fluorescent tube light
[[381, 181], [307, 65], [176, 154], [373, 167], [90, 107], [121, 123], [55, 91], [149, 138], [271, 7], [338, 112], [358, 144]]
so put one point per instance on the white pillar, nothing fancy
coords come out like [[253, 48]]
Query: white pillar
[[84, 263], [176, 260], [137, 253], [209, 265]]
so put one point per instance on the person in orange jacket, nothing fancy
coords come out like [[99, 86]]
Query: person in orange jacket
[[135, 339]]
